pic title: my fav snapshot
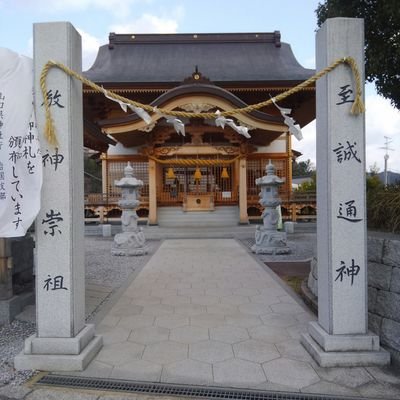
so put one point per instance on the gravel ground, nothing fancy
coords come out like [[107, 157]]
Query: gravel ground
[[11, 343], [303, 246]]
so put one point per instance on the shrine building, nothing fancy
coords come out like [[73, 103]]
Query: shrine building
[[211, 170]]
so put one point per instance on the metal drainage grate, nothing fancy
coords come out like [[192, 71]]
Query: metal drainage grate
[[177, 390]]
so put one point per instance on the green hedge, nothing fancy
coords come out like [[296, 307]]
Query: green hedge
[[383, 209]]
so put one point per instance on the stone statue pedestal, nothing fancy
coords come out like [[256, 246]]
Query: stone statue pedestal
[[270, 242], [131, 241]]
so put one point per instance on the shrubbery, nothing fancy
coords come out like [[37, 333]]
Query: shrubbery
[[383, 206]]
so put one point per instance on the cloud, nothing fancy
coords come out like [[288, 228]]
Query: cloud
[[306, 146], [147, 24], [382, 120], [90, 47], [115, 7]]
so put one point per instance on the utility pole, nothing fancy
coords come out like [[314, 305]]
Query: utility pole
[[388, 140]]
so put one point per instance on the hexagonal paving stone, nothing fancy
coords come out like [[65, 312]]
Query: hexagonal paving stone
[[293, 349], [287, 308], [255, 350], [126, 310], [207, 320], [246, 291], [204, 300], [269, 334], [214, 291], [190, 309], [226, 284], [176, 300], [292, 373], [235, 299], [188, 372], [136, 321], [266, 299], [171, 321], [223, 309], [295, 331], [254, 309], [149, 334], [191, 292], [120, 353], [210, 351], [164, 292], [279, 320], [350, 377], [165, 352], [229, 334], [146, 300], [238, 372], [157, 309], [189, 334], [138, 370], [113, 335], [243, 320], [273, 290], [178, 285], [132, 292]]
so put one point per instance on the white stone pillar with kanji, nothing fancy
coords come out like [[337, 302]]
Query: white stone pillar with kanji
[[341, 337], [63, 342]]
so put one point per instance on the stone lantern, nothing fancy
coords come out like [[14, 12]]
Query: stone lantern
[[131, 241], [268, 239]]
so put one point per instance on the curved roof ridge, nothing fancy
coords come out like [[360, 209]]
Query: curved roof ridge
[[196, 89], [224, 58]]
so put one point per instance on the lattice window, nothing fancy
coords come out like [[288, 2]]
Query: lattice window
[[116, 172], [256, 169]]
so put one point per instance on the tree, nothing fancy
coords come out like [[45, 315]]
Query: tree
[[302, 168], [382, 39], [309, 186]]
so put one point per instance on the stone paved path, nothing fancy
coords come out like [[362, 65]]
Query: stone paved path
[[206, 312]]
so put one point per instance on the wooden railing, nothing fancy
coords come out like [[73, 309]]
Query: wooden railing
[[101, 203]]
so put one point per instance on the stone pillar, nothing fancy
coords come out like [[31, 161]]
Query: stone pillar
[[243, 217], [63, 342], [152, 192], [340, 338]]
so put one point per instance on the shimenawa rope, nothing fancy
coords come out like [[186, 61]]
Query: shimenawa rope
[[357, 107]]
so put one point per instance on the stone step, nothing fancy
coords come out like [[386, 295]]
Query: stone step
[[176, 217]]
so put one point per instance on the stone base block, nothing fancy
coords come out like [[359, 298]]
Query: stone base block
[[67, 346], [129, 244], [106, 230], [10, 308], [344, 358], [357, 342], [58, 361], [270, 250]]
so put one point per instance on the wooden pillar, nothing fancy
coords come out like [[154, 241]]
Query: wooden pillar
[[289, 166], [294, 212], [243, 217], [104, 173], [152, 192]]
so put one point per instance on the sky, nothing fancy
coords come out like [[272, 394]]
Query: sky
[[295, 19]]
